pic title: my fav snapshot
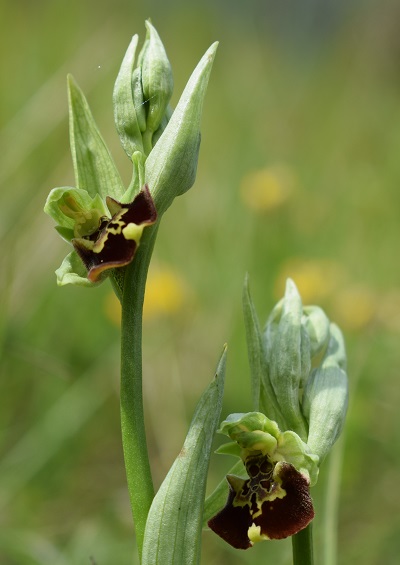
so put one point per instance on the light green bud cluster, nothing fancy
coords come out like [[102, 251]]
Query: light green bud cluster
[[142, 94], [301, 370]]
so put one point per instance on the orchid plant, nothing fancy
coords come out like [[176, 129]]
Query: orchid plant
[[298, 364]]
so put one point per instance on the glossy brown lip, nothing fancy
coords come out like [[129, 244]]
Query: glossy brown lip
[[108, 248]]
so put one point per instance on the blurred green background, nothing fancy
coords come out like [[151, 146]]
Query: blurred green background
[[299, 175]]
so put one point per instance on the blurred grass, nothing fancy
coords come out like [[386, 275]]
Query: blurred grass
[[311, 88]]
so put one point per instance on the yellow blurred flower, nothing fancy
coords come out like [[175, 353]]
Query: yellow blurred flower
[[388, 313], [166, 294], [316, 279], [354, 307], [266, 189]]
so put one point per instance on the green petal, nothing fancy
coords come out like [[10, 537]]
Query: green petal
[[58, 200], [94, 167], [293, 450], [72, 271]]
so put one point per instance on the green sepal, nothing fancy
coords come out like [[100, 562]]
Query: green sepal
[[217, 499], [174, 523], [292, 449], [286, 344], [157, 81], [164, 122], [72, 271], [125, 113], [263, 393], [317, 324], [94, 167], [325, 397], [256, 434], [72, 208], [66, 233], [138, 98], [230, 448], [172, 164]]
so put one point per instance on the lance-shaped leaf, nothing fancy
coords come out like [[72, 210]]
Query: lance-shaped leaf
[[172, 164], [173, 528], [94, 167], [326, 397], [262, 391], [125, 114]]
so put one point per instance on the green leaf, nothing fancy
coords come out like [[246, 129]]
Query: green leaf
[[172, 164], [125, 116], [173, 528], [94, 167], [264, 397]]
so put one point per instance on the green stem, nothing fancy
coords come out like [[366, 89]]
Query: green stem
[[332, 504], [137, 465], [302, 547]]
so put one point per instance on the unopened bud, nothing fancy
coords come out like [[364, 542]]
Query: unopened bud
[[157, 81], [325, 397]]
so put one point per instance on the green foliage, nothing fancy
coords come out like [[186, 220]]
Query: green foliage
[[173, 529]]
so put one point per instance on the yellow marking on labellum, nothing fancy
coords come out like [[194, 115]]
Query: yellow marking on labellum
[[254, 534], [119, 221], [132, 232], [270, 497]]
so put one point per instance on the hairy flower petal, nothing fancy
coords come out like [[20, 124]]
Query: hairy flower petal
[[115, 242], [273, 503]]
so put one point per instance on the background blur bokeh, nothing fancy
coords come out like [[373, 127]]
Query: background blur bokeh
[[299, 175]]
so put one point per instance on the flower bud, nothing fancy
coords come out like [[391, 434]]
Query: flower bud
[[126, 115], [157, 81], [317, 326], [138, 99], [325, 396], [288, 356], [306, 361]]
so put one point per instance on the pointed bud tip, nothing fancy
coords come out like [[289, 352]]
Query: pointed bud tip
[[291, 288]]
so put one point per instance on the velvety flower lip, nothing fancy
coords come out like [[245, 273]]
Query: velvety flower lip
[[273, 503], [116, 240]]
